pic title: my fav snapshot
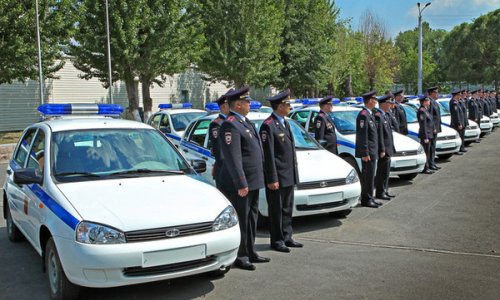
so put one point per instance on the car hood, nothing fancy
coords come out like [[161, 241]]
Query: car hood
[[445, 131], [401, 143], [145, 202], [316, 165]]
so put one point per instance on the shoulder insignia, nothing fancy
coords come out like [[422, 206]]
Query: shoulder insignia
[[263, 135], [228, 137], [215, 132], [361, 123], [318, 123]]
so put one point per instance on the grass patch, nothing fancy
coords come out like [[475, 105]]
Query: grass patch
[[10, 137]]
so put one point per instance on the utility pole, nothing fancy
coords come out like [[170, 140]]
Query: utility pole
[[110, 88], [420, 45], [40, 73]]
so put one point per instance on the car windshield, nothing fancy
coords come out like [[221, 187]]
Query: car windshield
[[90, 154], [411, 114], [445, 107], [302, 139], [182, 120], [345, 121]]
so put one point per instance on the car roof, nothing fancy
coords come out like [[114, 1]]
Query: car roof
[[174, 111], [251, 115], [335, 108], [91, 122]]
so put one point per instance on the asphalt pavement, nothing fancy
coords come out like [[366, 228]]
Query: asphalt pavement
[[438, 239]]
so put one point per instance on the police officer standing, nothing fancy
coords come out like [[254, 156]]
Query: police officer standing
[[367, 148], [462, 102], [426, 131], [473, 108], [242, 174], [280, 169], [386, 148], [457, 116], [213, 141], [400, 112], [433, 95], [324, 127]]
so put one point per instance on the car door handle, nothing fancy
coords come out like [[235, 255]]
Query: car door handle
[[185, 150], [8, 172]]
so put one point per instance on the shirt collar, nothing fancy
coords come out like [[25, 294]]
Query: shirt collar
[[368, 109], [280, 118], [239, 115]]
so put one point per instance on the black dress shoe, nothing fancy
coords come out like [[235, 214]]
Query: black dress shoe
[[245, 265], [294, 244], [260, 259], [464, 150], [390, 195], [459, 153], [383, 197], [433, 168], [281, 248], [427, 172], [370, 203]]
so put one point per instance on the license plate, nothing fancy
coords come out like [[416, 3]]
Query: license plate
[[172, 256], [325, 198], [470, 134], [449, 145], [406, 163]]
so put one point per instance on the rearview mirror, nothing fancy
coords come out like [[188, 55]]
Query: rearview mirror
[[27, 176], [199, 165]]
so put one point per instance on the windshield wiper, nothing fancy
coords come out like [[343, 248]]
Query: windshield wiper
[[145, 171], [79, 174], [306, 148]]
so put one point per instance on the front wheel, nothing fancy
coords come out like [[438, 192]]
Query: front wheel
[[14, 234], [408, 176], [60, 287], [341, 213], [220, 273]]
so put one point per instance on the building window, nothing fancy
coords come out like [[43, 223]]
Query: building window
[[184, 96]]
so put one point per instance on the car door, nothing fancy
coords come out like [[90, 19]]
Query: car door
[[194, 145]]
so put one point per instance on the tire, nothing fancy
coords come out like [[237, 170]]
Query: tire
[[59, 286], [14, 234], [219, 273], [350, 160], [467, 143], [445, 156], [408, 176], [341, 213]]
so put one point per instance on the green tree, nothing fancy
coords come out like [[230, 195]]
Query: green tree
[[243, 40], [149, 39], [18, 48]]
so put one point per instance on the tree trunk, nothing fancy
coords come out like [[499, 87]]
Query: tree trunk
[[372, 83], [133, 103], [146, 98], [348, 86]]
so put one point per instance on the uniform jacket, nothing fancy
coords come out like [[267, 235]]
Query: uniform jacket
[[280, 161], [400, 114], [325, 130], [457, 117], [473, 111], [463, 106], [366, 135], [426, 130], [435, 114], [243, 158], [393, 120], [213, 144], [386, 140]]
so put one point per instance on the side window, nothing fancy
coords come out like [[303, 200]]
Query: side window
[[199, 132], [165, 124], [301, 117], [37, 153], [155, 121], [311, 121], [24, 145]]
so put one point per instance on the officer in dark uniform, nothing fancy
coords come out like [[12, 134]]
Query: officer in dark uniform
[[433, 95], [463, 106], [400, 112], [367, 148], [242, 174], [325, 127], [386, 148], [473, 109], [457, 116], [426, 131], [280, 169], [213, 135]]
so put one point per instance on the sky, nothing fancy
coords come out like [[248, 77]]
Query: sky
[[402, 15]]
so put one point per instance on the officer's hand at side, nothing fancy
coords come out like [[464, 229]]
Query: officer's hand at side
[[243, 192], [382, 154], [365, 158], [460, 127], [273, 186], [426, 141]]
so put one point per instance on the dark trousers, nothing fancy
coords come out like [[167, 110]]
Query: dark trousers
[[367, 179], [382, 176], [248, 212], [462, 137], [432, 152], [427, 149], [280, 208]]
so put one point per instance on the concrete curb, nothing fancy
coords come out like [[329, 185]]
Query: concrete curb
[[6, 152]]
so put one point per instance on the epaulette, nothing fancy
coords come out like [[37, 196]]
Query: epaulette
[[231, 118], [321, 113], [377, 114], [268, 121], [422, 108], [363, 112]]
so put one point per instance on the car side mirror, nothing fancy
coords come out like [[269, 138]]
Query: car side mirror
[[27, 176], [199, 165], [323, 143], [165, 129]]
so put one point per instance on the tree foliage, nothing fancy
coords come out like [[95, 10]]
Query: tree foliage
[[18, 47]]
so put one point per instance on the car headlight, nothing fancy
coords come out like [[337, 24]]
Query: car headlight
[[227, 219], [457, 136], [420, 150], [352, 177], [92, 233]]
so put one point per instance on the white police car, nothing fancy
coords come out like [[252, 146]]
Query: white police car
[[172, 119], [104, 202], [407, 162], [448, 140], [472, 131], [326, 182]]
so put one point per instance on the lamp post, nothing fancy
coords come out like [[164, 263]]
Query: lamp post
[[420, 45], [110, 88], [40, 73]]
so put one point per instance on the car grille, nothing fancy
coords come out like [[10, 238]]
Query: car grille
[[444, 138], [161, 233], [485, 121], [320, 184], [400, 169], [405, 153], [305, 207], [472, 127], [446, 149], [171, 268]]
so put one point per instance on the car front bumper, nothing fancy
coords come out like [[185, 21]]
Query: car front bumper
[[407, 164]]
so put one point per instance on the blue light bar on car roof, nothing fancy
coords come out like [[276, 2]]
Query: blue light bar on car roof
[[335, 101], [212, 107], [255, 105], [359, 99], [175, 105], [80, 109]]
